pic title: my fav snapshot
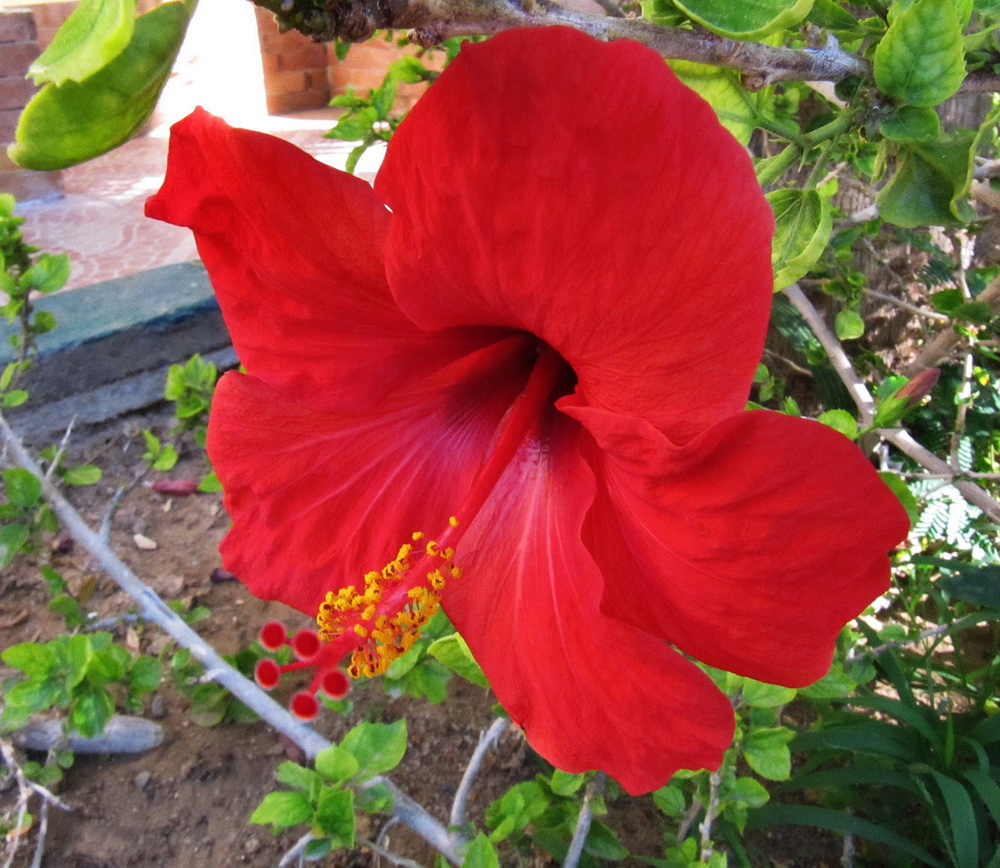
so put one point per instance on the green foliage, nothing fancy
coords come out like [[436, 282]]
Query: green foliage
[[327, 796], [23, 273], [211, 703], [417, 673], [76, 674], [749, 19]]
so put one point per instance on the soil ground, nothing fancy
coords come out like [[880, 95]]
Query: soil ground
[[186, 803]]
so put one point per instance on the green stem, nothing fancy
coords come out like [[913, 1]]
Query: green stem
[[775, 167]]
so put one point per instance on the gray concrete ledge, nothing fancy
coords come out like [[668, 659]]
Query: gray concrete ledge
[[112, 345]]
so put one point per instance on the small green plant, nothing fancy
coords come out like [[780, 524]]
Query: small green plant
[[21, 274], [326, 796]]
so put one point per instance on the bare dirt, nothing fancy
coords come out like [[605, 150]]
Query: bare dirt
[[186, 803]]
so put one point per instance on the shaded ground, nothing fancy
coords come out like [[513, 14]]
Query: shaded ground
[[186, 803]]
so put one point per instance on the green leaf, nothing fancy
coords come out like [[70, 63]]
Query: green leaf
[[480, 854], [930, 182], [979, 585], [334, 816], [409, 69], [48, 274], [721, 90], [747, 19], [963, 820], [566, 784], [757, 694], [910, 124], [670, 799], [91, 710], [23, 487], [336, 764], [12, 539], [919, 60], [210, 483], [67, 124], [34, 696], [85, 474], [766, 752], [453, 651], [829, 15], [166, 458], [146, 674], [34, 660], [293, 775], [95, 33], [842, 421], [803, 223], [355, 127], [849, 325], [375, 799], [749, 792], [602, 843], [902, 491], [282, 810], [378, 747]]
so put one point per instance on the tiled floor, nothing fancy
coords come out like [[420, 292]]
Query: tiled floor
[[99, 220]]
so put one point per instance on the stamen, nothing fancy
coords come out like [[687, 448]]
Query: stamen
[[310, 653]]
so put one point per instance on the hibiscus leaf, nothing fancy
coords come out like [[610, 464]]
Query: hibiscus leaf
[[335, 815], [95, 33], [378, 747], [72, 122], [920, 60], [766, 752], [720, 89], [453, 652], [803, 223], [480, 854], [748, 19], [282, 810]]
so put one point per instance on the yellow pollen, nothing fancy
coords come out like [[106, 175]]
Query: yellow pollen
[[387, 634]]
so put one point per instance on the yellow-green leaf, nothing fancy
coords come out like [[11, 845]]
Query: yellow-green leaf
[[719, 89], [803, 223], [746, 19], [95, 33], [69, 123]]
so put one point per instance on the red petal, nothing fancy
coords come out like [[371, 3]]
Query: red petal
[[750, 548], [294, 250], [318, 499], [627, 230], [589, 691]]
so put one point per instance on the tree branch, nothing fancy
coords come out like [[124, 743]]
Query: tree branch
[[436, 20], [152, 608], [486, 741]]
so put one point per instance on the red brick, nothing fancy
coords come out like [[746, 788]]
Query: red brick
[[285, 82], [318, 79], [310, 56], [269, 63], [275, 103], [16, 57], [15, 92], [25, 184], [17, 26], [306, 100]]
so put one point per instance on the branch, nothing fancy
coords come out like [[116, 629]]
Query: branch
[[437, 20], [152, 608], [899, 437], [486, 741], [583, 821]]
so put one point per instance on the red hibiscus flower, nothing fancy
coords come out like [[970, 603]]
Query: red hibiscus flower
[[534, 340]]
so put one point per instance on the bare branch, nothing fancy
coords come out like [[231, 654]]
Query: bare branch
[[436, 20], [486, 741], [583, 822]]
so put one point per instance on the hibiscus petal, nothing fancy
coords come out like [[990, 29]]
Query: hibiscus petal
[[626, 229], [750, 548], [589, 691], [318, 499], [294, 250]]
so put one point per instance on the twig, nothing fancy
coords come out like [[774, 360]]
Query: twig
[[298, 850], [898, 302], [899, 437], [687, 821], [486, 741], [7, 750], [43, 829], [838, 358], [583, 821], [954, 474], [54, 463], [788, 363], [109, 514], [152, 608], [436, 20], [611, 8], [940, 630], [714, 781], [387, 854]]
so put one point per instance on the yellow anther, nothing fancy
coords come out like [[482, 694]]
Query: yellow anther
[[453, 521], [361, 631], [417, 535]]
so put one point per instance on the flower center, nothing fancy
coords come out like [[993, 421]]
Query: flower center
[[379, 621]]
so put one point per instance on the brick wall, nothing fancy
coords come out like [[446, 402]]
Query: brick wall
[[18, 47], [365, 65], [295, 68]]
